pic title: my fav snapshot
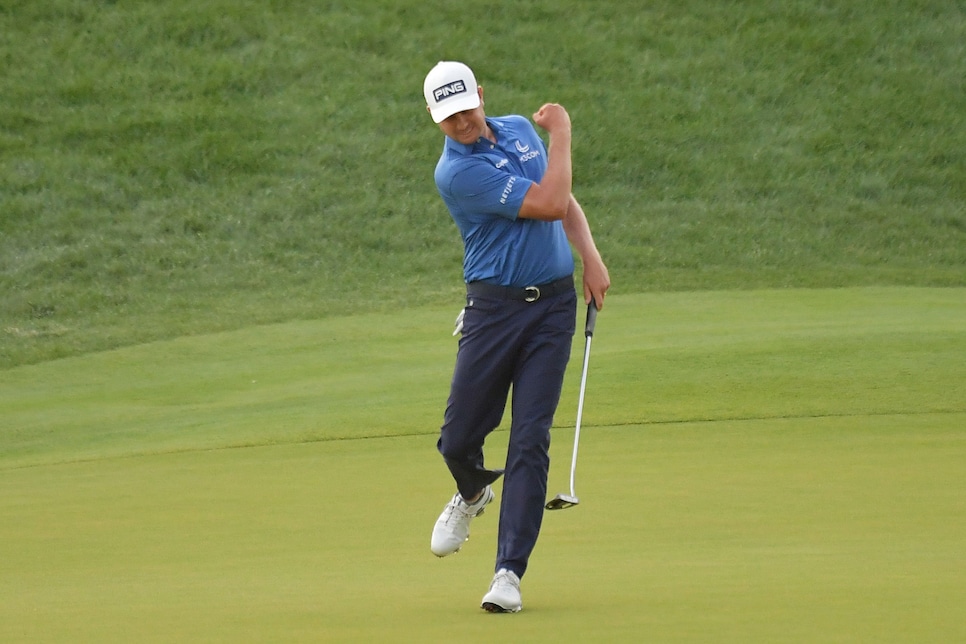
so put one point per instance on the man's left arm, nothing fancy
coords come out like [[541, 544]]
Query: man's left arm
[[596, 278]]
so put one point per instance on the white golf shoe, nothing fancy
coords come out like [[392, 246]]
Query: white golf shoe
[[453, 525], [504, 594]]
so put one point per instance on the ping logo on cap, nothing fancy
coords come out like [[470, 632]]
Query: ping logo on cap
[[449, 89]]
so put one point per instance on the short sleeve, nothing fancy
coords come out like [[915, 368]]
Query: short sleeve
[[482, 188]]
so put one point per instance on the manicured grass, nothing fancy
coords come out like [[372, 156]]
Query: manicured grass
[[176, 168], [757, 466], [666, 358], [845, 529], [227, 286]]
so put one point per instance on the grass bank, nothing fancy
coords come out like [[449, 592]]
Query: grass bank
[[178, 168]]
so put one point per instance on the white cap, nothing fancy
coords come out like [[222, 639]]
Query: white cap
[[449, 88]]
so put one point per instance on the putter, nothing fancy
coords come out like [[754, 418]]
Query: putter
[[564, 501]]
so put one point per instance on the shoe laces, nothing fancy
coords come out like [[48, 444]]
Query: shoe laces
[[455, 511], [506, 579], [469, 510]]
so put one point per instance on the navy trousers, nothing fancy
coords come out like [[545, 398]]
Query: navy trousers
[[526, 346]]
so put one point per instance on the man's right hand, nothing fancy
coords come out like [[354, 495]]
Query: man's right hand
[[553, 118]]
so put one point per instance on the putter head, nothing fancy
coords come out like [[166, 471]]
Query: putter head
[[562, 502]]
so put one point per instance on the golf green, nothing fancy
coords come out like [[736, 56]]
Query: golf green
[[757, 466]]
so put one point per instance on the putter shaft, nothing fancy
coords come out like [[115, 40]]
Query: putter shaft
[[562, 501]]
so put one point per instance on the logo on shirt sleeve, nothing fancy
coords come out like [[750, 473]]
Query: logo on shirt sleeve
[[507, 190]]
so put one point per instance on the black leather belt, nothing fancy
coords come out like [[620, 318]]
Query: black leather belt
[[525, 293]]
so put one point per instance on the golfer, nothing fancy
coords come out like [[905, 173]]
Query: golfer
[[511, 200]]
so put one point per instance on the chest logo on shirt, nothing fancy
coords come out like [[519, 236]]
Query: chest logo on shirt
[[526, 153], [501, 163]]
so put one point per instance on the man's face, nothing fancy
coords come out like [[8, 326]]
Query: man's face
[[466, 127]]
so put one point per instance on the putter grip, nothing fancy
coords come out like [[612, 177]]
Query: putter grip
[[591, 318]]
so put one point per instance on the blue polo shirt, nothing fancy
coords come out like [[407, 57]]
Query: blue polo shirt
[[483, 186]]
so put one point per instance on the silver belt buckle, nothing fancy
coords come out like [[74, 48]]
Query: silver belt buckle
[[533, 294]]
